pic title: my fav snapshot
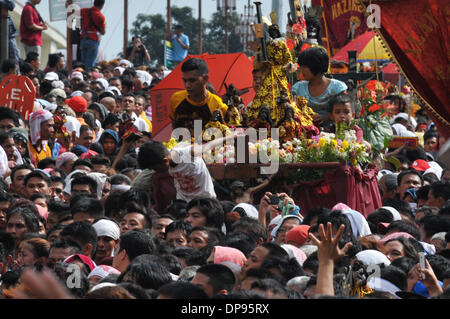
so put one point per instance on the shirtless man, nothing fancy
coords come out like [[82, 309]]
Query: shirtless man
[[240, 195]]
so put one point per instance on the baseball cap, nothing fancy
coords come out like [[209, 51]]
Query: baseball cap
[[58, 93], [77, 75], [420, 165], [85, 259], [51, 76]]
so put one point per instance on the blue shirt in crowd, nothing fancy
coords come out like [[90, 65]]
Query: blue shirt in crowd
[[178, 52]]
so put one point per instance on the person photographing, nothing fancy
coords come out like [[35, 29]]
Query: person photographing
[[138, 53]]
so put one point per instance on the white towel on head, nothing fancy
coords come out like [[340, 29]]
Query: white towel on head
[[401, 130], [106, 227], [360, 226], [280, 222], [36, 119], [103, 82], [68, 180], [144, 77], [120, 69], [372, 257], [295, 252], [126, 62], [3, 162], [100, 178], [100, 130]]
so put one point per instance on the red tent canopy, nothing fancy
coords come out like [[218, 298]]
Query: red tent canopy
[[367, 46], [390, 73], [233, 68]]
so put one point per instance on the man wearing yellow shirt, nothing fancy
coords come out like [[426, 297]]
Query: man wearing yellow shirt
[[196, 102], [41, 129], [139, 110]]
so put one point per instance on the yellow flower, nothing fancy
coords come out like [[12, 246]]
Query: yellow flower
[[341, 149], [344, 145], [322, 142], [334, 143], [353, 161]]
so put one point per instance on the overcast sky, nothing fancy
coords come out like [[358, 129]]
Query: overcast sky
[[112, 42]]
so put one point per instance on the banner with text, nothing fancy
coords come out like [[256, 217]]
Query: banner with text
[[344, 21]]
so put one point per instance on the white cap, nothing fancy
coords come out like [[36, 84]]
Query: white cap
[[51, 76], [434, 168]]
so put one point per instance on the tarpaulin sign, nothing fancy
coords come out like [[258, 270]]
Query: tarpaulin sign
[[18, 93]]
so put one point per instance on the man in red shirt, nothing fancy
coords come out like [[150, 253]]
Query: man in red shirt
[[93, 24], [31, 27]]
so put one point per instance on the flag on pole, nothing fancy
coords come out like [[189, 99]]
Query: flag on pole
[[168, 52]]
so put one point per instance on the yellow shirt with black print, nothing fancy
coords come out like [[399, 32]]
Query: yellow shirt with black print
[[183, 109]]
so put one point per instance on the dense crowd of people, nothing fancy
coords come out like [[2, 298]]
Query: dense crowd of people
[[84, 186]]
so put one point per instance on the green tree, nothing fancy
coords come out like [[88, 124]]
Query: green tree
[[214, 39], [153, 30]]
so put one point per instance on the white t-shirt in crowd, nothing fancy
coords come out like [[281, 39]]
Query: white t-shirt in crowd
[[191, 176]]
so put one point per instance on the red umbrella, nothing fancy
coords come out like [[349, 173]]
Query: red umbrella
[[233, 68]]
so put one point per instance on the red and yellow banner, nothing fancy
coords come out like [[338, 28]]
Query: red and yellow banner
[[343, 21]]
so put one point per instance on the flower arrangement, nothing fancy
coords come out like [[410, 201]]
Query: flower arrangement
[[223, 154], [373, 119], [266, 150], [326, 147]]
